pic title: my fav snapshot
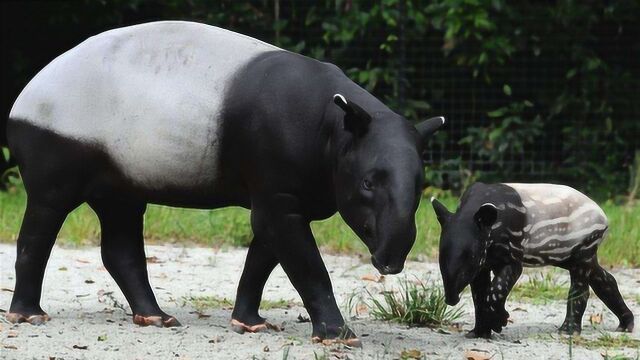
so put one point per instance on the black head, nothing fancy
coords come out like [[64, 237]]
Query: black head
[[378, 179], [463, 244]]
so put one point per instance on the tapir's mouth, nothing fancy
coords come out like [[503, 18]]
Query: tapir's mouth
[[386, 269], [452, 299]]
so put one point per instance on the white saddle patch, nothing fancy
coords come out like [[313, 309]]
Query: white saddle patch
[[150, 95]]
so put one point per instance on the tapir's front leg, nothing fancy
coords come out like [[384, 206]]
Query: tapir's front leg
[[503, 281], [281, 224], [257, 267]]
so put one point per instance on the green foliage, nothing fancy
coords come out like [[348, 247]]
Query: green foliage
[[540, 289]]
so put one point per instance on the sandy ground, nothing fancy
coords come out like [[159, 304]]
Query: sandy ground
[[87, 325]]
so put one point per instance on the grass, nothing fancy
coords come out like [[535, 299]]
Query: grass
[[201, 303], [413, 304], [541, 289], [605, 340], [230, 227]]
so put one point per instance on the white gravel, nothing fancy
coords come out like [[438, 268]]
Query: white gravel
[[83, 319]]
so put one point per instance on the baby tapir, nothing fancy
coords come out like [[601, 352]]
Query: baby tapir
[[500, 228]]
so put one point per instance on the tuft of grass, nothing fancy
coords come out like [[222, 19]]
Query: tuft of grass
[[605, 340], [201, 303], [413, 304], [540, 289]]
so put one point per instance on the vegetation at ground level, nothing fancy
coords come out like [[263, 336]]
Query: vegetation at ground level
[[230, 227]]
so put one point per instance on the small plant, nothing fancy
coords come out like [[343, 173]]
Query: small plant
[[541, 289], [414, 304]]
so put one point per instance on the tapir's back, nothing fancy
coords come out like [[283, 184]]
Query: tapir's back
[[559, 221], [150, 95]]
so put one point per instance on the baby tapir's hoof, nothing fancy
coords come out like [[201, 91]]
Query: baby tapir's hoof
[[241, 328], [570, 329], [478, 333], [37, 319], [626, 323], [159, 321], [330, 335]]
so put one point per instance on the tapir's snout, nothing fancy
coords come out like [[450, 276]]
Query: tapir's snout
[[451, 298], [387, 269]]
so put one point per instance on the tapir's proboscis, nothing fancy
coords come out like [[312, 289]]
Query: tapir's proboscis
[[190, 115], [500, 228]]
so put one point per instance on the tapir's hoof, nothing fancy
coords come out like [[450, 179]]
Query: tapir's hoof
[[242, 328], [17, 318], [353, 342], [158, 321], [474, 334], [569, 330], [628, 327]]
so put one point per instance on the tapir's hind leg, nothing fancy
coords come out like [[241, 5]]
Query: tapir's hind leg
[[257, 267], [123, 255], [577, 301], [40, 226], [606, 288]]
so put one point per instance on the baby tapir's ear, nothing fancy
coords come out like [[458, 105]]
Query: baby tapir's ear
[[356, 120], [441, 211], [486, 216]]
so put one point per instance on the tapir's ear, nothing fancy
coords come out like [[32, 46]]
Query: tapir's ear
[[356, 120], [486, 216], [430, 126], [441, 211]]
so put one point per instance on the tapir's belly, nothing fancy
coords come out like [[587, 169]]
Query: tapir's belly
[[150, 96], [559, 220]]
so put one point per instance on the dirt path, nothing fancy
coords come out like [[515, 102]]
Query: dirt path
[[87, 325]]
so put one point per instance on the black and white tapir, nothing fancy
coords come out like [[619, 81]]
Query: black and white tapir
[[500, 228], [191, 115]]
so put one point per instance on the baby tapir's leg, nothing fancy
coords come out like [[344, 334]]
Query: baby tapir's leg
[[479, 290], [257, 267], [122, 248], [503, 281], [606, 288], [577, 301]]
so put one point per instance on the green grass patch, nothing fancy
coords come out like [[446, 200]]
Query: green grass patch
[[540, 289], [413, 304], [231, 227], [605, 340], [201, 303]]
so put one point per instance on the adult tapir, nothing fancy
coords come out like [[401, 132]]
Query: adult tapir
[[191, 115]]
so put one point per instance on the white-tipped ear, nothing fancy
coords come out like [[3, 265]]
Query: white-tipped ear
[[489, 204], [339, 100], [432, 199]]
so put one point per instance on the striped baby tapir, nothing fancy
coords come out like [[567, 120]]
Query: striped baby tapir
[[499, 228], [190, 115]]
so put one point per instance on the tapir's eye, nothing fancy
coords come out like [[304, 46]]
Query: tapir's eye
[[367, 184]]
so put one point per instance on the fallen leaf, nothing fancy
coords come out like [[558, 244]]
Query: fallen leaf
[[361, 308], [411, 354], [303, 319], [520, 309], [595, 319], [200, 314], [89, 281], [80, 347], [83, 261], [62, 268], [216, 340], [12, 347], [102, 337], [154, 260], [374, 278], [476, 355], [12, 334]]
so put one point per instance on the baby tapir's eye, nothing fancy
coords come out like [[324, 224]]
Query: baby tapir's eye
[[367, 184]]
